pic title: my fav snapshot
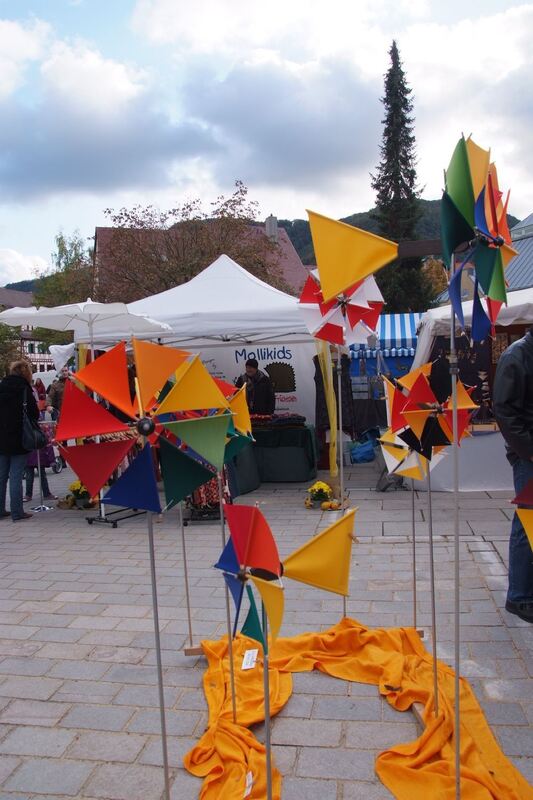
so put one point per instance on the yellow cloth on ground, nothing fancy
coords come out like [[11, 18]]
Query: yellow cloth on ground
[[393, 659]]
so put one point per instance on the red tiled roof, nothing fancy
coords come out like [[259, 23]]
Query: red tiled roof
[[11, 298], [290, 265]]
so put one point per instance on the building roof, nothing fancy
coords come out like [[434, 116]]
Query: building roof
[[11, 298], [288, 261], [519, 273]]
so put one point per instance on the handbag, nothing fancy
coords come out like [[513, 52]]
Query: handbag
[[33, 437]]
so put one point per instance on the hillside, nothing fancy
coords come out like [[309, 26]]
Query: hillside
[[23, 286], [428, 227]]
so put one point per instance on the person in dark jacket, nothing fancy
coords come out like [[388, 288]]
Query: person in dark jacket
[[512, 402], [259, 390], [15, 389]]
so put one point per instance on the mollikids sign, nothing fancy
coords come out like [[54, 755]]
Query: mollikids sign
[[290, 368]]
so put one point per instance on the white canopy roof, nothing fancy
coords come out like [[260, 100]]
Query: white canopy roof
[[224, 303], [436, 322]]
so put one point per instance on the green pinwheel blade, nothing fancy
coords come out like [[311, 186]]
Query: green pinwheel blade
[[454, 228], [206, 435], [497, 289], [459, 182], [252, 624], [485, 262], [181, 474]]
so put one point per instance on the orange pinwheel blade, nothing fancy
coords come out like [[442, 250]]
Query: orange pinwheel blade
[[108, 377], [155, 363]]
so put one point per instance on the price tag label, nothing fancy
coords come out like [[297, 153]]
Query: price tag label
[[249, 777], [249, 659]]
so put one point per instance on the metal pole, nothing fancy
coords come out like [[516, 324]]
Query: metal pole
[[228, 608], [457, 594], [266, 688], [185, 572], [433, 608], [340, 448], [413, 525], [158, 654], [41, 506]]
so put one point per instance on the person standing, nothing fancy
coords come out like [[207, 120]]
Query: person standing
[[56, 392], [15, 390], [512, 403], [260, 394]]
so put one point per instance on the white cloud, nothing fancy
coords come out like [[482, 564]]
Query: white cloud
[[20, 44], [15, 266], [86, 82]]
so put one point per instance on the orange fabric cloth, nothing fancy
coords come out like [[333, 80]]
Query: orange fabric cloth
[[393, 659]]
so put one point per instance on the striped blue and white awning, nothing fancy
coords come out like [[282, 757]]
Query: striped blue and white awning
[[397, 336]]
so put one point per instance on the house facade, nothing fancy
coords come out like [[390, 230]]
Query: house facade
[[31, 348]]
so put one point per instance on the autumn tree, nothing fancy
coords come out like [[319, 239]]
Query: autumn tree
[[403, 284], [10, 346], [148, 250]]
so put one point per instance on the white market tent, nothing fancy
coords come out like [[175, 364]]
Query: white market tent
[[222, 304], [436, 322]]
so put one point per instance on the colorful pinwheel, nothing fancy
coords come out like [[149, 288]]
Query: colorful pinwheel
[[251, 554], [347, 319], [472, 212]]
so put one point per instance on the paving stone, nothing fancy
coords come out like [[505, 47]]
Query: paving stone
[[8, 764], [317, 683], [178, 723], [25, 666], [27, 741], [177, 746], [306, 731], [185, 786], [356, 708], [34, 712], [357, 790], [98, 718], [308, 789], [30, 688], [326, 762], [82, 670], [51, 776], [108, 747], [125, 783], [379, 735], [147, 696], [86, 692], [515, 741]]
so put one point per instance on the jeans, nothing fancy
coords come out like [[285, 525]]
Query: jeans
[[520, 552], [30, 474], [12, 467]]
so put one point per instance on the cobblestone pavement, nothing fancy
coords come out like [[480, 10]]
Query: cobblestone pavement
[[78, 700]]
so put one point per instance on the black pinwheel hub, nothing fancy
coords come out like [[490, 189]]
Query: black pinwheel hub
[[145, 426]]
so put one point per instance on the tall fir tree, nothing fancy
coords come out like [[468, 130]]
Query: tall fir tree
[[404, 285]]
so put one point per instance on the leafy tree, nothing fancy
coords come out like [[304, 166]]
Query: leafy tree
[[10, 346], [404, 285], [148, 250], [70, 279]]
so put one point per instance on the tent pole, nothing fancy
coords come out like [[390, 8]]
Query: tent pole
[[185, 573], [433, 605], [340, 449], [413, 528], [228, 609], [457, 594], [158, 654], [266, 688]]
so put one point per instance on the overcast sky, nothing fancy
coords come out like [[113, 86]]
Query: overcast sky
[[116, 102]]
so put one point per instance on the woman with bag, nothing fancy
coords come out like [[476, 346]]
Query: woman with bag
[[18, 411]]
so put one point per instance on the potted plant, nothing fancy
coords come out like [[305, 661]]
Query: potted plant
[[318, 493], [81, 495]]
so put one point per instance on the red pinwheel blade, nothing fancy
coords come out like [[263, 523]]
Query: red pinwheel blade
[[371, 316], [311, 292], [420, 393], [252, 538], [108, 377], [94, 463], [355, 314], [81, 416], [330, 333]]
